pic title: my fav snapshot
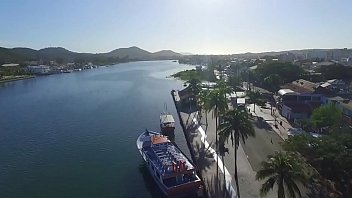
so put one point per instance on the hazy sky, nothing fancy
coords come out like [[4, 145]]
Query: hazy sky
[[197, 26]]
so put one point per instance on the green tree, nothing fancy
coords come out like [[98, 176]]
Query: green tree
[[217, 103], [330, 155], [235, 126], [202, 101], [285, 170], [273, 81], [234, 82], [326, 116], [287, 71], [195, 84], [255, 98]]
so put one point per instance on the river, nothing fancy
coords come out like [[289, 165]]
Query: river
[[73, 135]]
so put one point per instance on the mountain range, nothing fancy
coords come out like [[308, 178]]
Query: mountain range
[[59, 54]]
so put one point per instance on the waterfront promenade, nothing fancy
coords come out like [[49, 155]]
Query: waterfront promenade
[[201, 138], [15, 78]]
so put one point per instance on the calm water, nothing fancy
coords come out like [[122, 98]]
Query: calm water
[[73, 135]]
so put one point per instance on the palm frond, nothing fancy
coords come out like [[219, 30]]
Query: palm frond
[[267, 186]]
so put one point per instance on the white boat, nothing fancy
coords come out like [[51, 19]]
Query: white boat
[[173, 172], [167, 124]]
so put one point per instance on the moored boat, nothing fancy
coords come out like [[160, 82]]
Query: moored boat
[[173, 172], [167, 124]]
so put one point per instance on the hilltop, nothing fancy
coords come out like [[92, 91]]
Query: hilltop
[[62, 55]]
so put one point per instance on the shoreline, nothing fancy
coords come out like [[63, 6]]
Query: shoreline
[[16, 79]]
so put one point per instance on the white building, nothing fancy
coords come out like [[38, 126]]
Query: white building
[[10, 65], [39, 69]]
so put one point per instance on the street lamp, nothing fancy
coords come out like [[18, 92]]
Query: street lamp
[[190, 99]]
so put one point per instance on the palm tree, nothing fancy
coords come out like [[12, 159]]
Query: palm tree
[[285, 170], [217, 102], [202, 100], [195, 85], [235, 126]]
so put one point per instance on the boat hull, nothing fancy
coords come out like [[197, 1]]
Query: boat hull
[[185, 190]]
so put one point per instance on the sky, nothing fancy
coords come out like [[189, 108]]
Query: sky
[[195, 26]]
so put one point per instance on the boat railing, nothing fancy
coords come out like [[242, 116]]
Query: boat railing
[[152, 132]]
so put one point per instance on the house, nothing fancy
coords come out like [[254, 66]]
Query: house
[[300, 91], [298, 99], [333, 87], [346, 107], [298, 110]]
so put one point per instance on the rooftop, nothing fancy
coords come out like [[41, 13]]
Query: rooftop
[[301, 86], [285, 91], [10, 65], [347, 105]]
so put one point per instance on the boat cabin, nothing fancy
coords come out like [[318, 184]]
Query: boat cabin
[[169, 166]]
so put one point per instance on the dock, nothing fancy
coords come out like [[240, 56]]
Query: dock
[[203, 153], [199, 132]]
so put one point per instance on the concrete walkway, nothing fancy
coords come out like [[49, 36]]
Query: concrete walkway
[[270, 115], [250, 155], [201, 136]]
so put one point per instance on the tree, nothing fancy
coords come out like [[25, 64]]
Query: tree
[[287, 71], [273, 81], [330, 155], [195, 84], [234, 82], [202, 101], [285, 170], [235, 126], [326, 116], [255, 98], [322, 188], [217, 102]]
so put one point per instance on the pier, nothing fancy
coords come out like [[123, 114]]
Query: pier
[[199, 131], [202, 153]]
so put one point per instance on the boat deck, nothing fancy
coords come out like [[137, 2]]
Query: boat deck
[[168, 159]]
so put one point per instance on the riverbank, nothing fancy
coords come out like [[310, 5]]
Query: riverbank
[[15, 78], [202, 75]]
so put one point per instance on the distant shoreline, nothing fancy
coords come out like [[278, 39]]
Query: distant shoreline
[[16, 79]]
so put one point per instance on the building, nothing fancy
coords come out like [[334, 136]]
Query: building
[[333, 87], [39, 69], [299, 91], [298, 99], [298, 110], [287, 57], [10, 65], [345, 105]]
